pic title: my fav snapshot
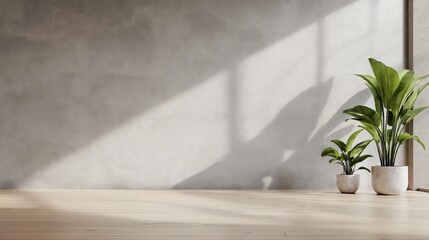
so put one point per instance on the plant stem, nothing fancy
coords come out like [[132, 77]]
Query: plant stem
[[383, 140]]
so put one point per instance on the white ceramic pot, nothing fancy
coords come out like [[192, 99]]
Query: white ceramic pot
[[389, 180], [348, 183]]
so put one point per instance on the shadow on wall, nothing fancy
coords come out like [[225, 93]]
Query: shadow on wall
[[73, 71], [278, 157]]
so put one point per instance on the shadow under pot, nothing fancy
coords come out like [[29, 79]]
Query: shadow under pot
[[391, 180], [348, 183]]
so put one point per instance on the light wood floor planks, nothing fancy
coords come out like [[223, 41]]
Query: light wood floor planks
[[197, 214]]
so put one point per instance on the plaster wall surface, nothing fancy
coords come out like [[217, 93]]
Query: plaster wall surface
[[421, 66], [184, 93]]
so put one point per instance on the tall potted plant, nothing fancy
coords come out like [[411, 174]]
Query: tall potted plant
[[348, 157], [394, 93]]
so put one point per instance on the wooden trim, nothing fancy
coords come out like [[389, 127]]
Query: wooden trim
[[409, 64], [423, 190], [408, 55]]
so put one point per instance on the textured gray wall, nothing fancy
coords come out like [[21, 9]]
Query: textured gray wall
[[421, 66], [183, 93]]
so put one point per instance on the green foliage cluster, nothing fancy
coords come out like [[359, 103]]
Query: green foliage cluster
[[348, 156], [394, 93]]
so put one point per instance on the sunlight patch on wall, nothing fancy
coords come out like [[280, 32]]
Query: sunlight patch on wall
[[246, 99], [272, 77]]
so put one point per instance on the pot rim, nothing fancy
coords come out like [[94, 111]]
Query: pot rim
[[355, 174]]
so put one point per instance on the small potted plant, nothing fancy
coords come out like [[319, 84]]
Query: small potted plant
[[348, 157], [395, 93]]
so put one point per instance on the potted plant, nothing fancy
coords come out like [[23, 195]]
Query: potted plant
[[348, 157], [394, 93]]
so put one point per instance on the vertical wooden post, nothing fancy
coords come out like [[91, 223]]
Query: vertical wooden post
[[408, 53]]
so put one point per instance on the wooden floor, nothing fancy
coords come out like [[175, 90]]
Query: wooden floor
[[162, 215]]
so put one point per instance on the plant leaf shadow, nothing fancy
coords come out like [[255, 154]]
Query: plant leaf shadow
[[76, 70], [251, 163]]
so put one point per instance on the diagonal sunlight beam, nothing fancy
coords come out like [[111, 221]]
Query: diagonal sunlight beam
[[108, 83]]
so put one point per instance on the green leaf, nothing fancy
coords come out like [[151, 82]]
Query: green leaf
[[377, 99], [410, 101], [380, 74], [371, 130], [392, 81], [363, 168], [403, 137], [388, 135], [373, 86], [360, 159], [352, 139], [331, 152], [387, 78], [422, 87], [411, 114], [369, 79], [364, 114], [401, 73], [340, 144], [336, 159], [358, 149], [403, 90]]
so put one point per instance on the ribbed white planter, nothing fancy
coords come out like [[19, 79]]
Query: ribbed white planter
[[348, 183], [389, 180]]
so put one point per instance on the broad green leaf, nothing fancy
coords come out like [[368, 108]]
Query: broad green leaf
[[401, 73], [360, 159], [388, 135], [358, 148], [371, 130], [331, 152], [387, 78], [402, 91], [422, 87], [370, 80], [409, 102], [374, 87], [340, 144], [364, 114], [411, 114], [392, 82], [376, 96], [336, 159], [403, 137], [380, 74], [352, 139]]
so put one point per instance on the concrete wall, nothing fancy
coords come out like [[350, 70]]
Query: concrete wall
[[184, 93], [421, 66]]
